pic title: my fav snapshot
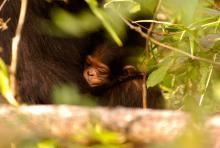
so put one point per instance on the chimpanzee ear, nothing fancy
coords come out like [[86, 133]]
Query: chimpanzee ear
[[129, 70]]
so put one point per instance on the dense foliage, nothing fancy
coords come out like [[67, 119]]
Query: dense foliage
[[181, 52], [182, 42]]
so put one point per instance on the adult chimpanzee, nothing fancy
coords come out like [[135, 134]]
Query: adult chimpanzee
[[45, 60]]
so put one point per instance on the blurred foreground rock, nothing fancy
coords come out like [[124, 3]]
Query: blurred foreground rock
[[63, 121]]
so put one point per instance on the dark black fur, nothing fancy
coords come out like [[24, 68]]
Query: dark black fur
[[45, 61], [124, 87], [132, 95]]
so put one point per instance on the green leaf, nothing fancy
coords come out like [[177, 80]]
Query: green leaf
[[6, 90], [182, 11], [101, 15], [131, 5], [49, 143], [4, 81], [192, 43], [158, 75], [3, 67], [76, 25], [65, 94], [105, 136]]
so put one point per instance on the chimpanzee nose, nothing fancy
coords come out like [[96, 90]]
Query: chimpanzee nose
[[91, 73]]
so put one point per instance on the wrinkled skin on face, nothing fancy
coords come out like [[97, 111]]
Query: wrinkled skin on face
[[95, 72]]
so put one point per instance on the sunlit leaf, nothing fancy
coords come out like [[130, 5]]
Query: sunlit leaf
[[77, 25], [70, 95], [181, 11], [211, 24], [192, 45], [47, 144], [154, 21], [131, 5], [101, 16], [3, 67], [158, 75], [105, 136], [6, 90]]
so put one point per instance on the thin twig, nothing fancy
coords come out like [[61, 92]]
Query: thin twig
[[183, 52], [154, 17], [4, 25], [147, 49], [207, 82], [149, 32], [2, 4], [144, 94], [152, 25], [144, 35], [15, 43], [155, 22]]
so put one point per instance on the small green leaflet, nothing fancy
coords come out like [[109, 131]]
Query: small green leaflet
[[3, 68], [101, 16], [158, 75], [131, 4], [5, 89]]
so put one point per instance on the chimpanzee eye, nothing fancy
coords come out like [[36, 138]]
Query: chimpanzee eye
[[87, 64], [103, 70]]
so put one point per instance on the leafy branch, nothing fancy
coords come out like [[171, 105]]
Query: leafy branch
[[145, 35]]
